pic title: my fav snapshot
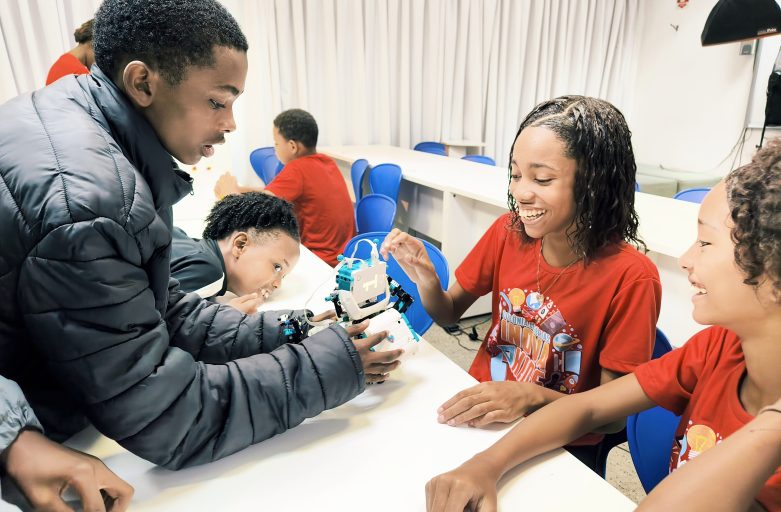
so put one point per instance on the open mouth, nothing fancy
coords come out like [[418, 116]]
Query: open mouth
[[207, 150], [531, 214], [698, 290]]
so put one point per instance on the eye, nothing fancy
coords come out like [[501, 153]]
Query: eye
[[515, 177], [544, 182], [702, 243], [215, 105], [277, 267]]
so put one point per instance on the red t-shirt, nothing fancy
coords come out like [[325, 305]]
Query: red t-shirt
[[700, 383], [67, 64], [321, 202], [602, 315]]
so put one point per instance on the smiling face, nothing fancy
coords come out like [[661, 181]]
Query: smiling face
[[194, 115], [259, 262], [720, 295], [542, 182]]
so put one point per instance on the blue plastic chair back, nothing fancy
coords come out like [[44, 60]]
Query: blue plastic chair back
[[416, 314], [693, 195], [270, 168], [637, 187], [385, 179], [257, 157], [650, 434], [357, 171], [375, 212], [435, 148], [480, 159]]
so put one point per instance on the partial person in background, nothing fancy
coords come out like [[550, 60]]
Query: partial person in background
[[43, 470], [309, 180], [249, 245], [79, 59]]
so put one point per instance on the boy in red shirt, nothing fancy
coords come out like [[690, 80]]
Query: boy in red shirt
[[718, 382], [309, 180], [79, 59]]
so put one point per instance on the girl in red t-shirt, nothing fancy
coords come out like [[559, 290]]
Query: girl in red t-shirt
[[719, 381], [574, 305]]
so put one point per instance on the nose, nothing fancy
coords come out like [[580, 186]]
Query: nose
[[685, 260], [228, 123], [277, 283], [521, 191]]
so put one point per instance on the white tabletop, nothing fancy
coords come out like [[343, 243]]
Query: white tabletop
[[668, 226]]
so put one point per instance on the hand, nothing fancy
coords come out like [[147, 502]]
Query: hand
[[471, 486], [489, 402], [43, 470], [376, 365], [328, 315], [226, 185], [248, 304], [411, 255]]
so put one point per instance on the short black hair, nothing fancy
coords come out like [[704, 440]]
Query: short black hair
[[168, 35], [254, 212], [597, 137], [298, 125]]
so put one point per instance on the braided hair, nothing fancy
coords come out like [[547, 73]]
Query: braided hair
[[254, 212], [598, 139]]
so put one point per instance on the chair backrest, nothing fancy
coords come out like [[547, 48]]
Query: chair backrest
[[436, 148], [270, 168], [650, 433], [637, 187], [416, 314], [257, 157], [480, 159], [356, 174], [693, 195], [385, 179], [375, 212]]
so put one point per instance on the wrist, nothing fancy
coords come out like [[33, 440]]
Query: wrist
[[15, 451], [536, 398], [489, 464]]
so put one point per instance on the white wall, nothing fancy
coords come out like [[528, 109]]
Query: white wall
[[689, 103]]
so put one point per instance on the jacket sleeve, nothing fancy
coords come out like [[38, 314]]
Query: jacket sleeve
[[87, 302], [15, 413], [217, 333]]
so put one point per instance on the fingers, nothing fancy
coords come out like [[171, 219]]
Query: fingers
[[373, 340], [120, 492], [464, 399], [247, 304], [389, 238], [328, 315], [356, 329], [86, 485], [52, 503], [398, 241], [382, 368], [375, 378]]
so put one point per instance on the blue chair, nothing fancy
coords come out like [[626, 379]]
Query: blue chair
[[637, 187], [375, 212], [357, 171], [270, 168], [385, 179], [693, 195], [661, 347], [651, 432], [256, 159], [435, 148], [416, 314], [480, 159]]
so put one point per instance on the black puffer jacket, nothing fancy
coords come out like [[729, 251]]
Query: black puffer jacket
[[91, 325]]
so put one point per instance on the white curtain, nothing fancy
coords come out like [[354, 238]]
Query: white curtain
[[403, 71], [383, 71]]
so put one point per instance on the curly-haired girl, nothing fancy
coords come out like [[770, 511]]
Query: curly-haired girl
[[717, 382], [574, 304]]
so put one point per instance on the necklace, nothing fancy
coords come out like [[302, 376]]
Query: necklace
[[539, 257]]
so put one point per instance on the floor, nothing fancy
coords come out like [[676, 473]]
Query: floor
[[461, 350]]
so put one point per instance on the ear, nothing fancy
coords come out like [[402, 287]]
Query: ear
[[239, 244], [295, 147], [140, 83]]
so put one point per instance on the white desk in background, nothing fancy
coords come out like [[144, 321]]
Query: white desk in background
[[454, 201], [460, 148], [375, 452]]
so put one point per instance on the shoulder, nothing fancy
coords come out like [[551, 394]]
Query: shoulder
[[624, 261], [716, 341]]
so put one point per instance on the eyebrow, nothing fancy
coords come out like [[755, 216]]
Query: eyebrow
[[230, 89], [703, 223]]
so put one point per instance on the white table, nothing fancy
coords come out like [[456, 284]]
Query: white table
[[460, 148], [454, 201], [375, 452]]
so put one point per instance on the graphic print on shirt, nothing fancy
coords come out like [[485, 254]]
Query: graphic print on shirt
[[534, 341], [695, 440]]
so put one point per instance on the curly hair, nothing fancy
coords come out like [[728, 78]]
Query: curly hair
[[598, 139], [254, 212], [168, 35], [298, 125], [83, 34], [754, 198]]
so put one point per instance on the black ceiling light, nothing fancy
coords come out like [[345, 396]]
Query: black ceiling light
[[738, 20]]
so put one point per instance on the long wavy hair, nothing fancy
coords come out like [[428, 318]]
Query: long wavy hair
[[597, 137]]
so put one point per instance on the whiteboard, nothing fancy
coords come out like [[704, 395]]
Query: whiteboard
[[766, 56]]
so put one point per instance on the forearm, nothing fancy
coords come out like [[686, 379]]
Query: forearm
[[544, 396], [758, 442], [438, 303]]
